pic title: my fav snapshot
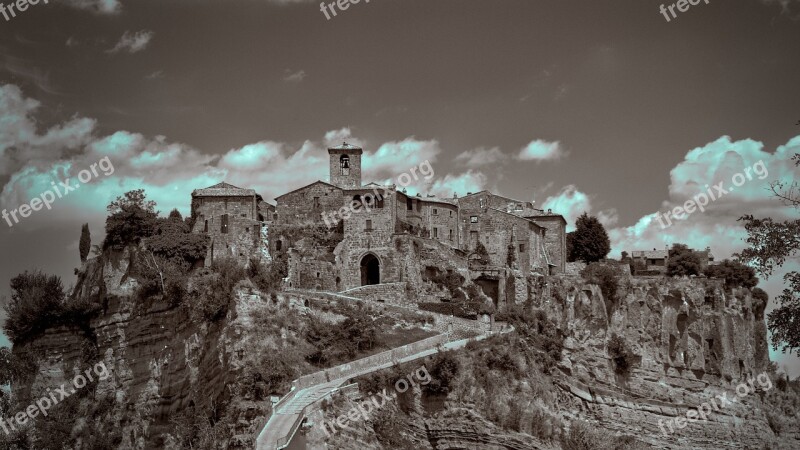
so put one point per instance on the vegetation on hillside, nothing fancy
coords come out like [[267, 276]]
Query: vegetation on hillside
[[589, 242]]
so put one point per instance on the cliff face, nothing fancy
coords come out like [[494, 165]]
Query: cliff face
[[691, 341], [161, 365]]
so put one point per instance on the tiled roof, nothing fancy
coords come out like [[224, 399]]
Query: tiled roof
[[650, 254], [223, 190]]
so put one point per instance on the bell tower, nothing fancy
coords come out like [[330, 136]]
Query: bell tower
[[345, 166]]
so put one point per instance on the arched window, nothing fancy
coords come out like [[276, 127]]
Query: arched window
[[344, 163]]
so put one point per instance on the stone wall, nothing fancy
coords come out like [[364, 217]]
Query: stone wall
[[555, 240], [300, 206], [393, 293]]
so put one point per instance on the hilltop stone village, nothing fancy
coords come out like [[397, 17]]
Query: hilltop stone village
[[392, 244]]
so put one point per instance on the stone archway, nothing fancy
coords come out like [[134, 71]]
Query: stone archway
[[370, 270]]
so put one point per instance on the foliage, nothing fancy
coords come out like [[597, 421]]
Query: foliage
[[683, 261], [444, 368], [38, 302], [540, 338], [590, 242], [735, 274], [570, 246], [268, 277], [212, 291], [606, 277], [131, 218], [174, 241], [340, 343], [770, 245], [457, 309], [85, 244], [622, 357]]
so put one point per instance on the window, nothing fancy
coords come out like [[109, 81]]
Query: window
[[522, 248], [435, 212], [278, 245], [244, 215], [316, 203], [451, 235], [435, 233], [223, 228], [344, 163], [409, 204], [369, 225], [473, 219], [451, 213], [205, 227]]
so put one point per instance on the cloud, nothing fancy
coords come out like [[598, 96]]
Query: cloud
[[540, 150], [97, 6], [570, 202], [481, 157], [294, 77], [158, 74], [396, 157], [133, 42]]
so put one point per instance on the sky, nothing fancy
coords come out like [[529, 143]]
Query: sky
[[578, 105]]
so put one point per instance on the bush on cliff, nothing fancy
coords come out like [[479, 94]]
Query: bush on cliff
[[606, 277], [622, 357], [212, 291], [38, 302], [734, 273], [683, 261], [342, 342], [131, 218], [444, 369]]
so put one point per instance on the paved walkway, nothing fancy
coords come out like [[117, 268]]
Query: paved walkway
[[287, 417]]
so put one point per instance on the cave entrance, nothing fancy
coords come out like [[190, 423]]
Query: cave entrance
[[370, 270]]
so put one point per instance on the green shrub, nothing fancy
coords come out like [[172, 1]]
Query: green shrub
[[213, 291], [683, 261], [131, 218], [444, 369], [341, 342], [734, 273]]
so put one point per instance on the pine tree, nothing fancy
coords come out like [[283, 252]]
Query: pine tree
[[85, 244]]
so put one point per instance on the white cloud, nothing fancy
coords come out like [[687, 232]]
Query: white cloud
[[294, 77], [570, 202], [540, 150], [97, 6], [133, 42], [481, 157]]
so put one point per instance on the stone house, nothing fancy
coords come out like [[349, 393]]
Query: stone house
[[236, 220]]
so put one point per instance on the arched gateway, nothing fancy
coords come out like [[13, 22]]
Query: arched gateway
[[370, 270]]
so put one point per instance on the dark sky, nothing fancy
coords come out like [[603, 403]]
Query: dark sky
[[583, 105]]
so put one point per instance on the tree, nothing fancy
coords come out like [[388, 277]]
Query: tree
[[770, 245], [85, 244], [37, 301], [570, 246], [590, 241], [131, 218], [175, 215], [683, 261], [735, 274]]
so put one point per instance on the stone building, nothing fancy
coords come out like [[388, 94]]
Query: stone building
[[235, 219], [343, 235]]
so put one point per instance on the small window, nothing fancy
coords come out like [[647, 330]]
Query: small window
[[451, 235], [344, 162], [409, 204], [451, 213], [244, 215], [435, 212], [522, 248], [205, 227], [435, 232], [316, 203], [369, 225], [278, 245], [473, 219]]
